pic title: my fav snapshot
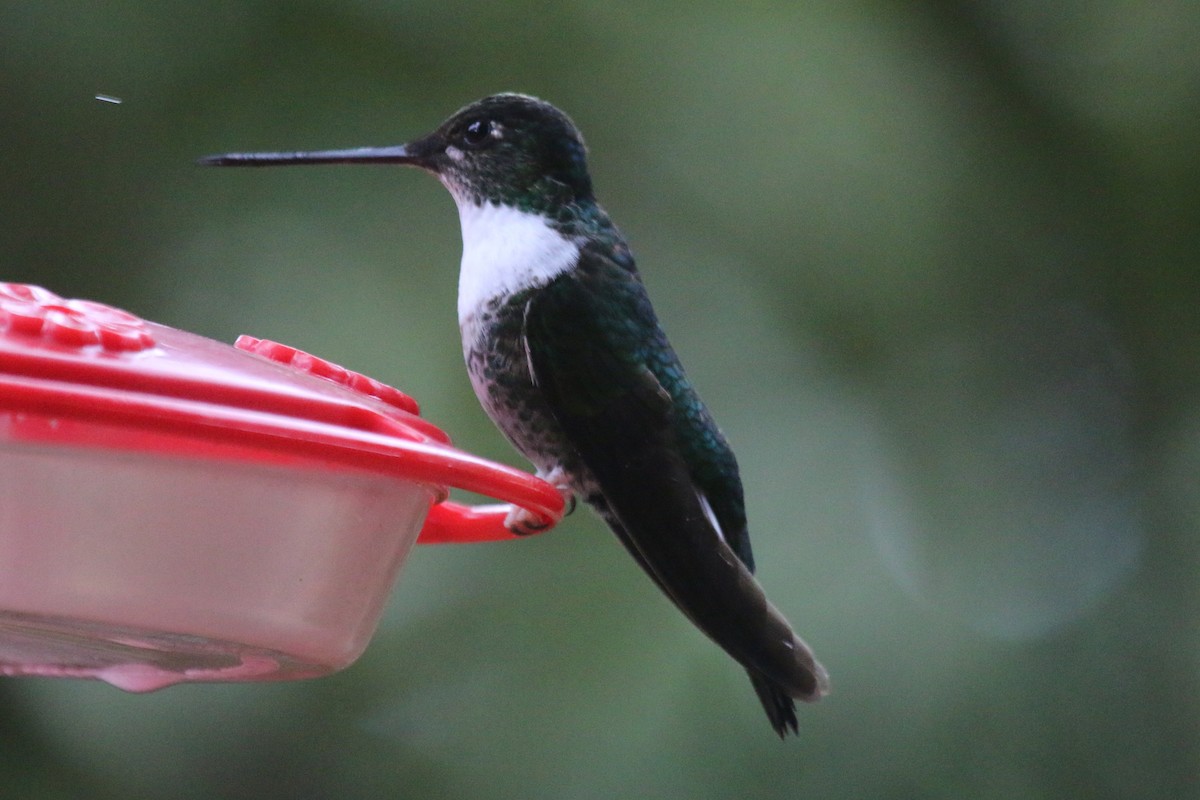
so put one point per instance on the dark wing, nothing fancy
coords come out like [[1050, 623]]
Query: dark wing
[[590, 352]]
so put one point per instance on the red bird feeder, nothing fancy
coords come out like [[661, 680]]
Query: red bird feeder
[[175, 509]]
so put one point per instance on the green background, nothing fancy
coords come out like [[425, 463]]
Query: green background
[[931, 264]]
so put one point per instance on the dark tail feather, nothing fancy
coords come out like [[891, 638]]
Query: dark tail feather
[[780, 708], [808, 680], [778, 700]]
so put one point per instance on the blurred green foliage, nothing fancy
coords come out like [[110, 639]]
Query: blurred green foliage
[[933, 265]]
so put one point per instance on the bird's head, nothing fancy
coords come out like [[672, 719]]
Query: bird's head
[[506, 149]]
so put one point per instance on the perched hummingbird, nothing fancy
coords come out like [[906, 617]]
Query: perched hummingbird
[[567, 357]]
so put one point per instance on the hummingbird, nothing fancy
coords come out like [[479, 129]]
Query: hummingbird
[[567, 357]]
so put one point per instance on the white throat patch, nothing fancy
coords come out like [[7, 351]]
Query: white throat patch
[[506, 250]]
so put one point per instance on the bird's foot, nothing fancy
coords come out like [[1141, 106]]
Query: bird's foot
[[523, 522]]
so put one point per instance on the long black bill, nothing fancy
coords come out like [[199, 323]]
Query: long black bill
[[399, 154]]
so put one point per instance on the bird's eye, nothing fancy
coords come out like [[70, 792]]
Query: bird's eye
[[477, 133]]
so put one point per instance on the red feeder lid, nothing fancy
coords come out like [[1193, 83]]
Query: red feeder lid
[[111, 379]]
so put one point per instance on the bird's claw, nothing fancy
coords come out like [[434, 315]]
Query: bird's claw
[[523, 522]]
